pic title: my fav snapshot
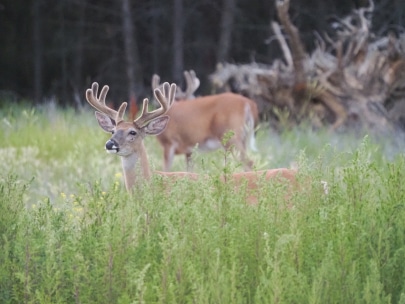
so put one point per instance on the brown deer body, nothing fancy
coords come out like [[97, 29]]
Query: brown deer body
[[203, 122]]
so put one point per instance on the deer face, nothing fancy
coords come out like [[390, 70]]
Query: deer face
[[127, 137], [124, 140]]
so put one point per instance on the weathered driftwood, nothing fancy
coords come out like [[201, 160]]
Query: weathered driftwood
[[351, 79]]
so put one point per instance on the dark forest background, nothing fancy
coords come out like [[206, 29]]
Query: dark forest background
[[54, 50]]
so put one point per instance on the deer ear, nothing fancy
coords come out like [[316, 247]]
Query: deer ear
[[156, 126], [105, 122]]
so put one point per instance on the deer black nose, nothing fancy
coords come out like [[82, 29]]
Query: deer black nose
[[111, 146]]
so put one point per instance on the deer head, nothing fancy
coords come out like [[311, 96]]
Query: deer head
[[127, 136]]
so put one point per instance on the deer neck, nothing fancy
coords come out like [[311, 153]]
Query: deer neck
[[134, 165]]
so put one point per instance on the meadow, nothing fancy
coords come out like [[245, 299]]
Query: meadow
[[70, 233]]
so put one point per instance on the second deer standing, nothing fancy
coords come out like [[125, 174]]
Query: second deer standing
[[204, 121]]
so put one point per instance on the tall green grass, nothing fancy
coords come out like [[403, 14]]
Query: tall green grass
[[69, 232]]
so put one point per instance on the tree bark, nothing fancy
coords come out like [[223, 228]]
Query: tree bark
[[297, 48], [156, 41], [77, 81], [37, 47], [63, 54], [131, 57], [226, 28], [178, 41]]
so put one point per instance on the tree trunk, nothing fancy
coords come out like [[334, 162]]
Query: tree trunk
[[132, 57], [178, 41], [156, 41], [63, 55], [77, 81], [225, 35], [37, 47]]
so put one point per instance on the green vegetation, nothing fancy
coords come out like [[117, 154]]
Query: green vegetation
[[70, 233]]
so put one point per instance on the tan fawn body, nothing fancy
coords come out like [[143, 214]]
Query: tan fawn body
[[127, 142], [203, 121]]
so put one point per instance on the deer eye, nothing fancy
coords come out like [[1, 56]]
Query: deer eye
[[112, 131], [132, 132]]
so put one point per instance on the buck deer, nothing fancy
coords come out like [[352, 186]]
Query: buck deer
[[127, 140], [204, 121]]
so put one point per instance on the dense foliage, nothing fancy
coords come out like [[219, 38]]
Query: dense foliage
[[69, 232]]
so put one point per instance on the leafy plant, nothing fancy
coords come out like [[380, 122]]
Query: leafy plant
[[71, 234]]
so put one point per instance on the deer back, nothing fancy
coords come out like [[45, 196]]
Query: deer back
[[205, 119]]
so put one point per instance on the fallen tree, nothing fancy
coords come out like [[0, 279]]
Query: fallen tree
[[352, 79]]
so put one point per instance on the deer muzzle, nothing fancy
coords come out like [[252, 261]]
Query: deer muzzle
[[111, 146]]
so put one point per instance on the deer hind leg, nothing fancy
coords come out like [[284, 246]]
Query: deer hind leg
[[245, 160], [189, 162], [168, 157], [238, 145]]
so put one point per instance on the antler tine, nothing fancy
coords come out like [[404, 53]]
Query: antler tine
[[121, 112], [192, 83], [165, 100], [155, 81], [99, 102]]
